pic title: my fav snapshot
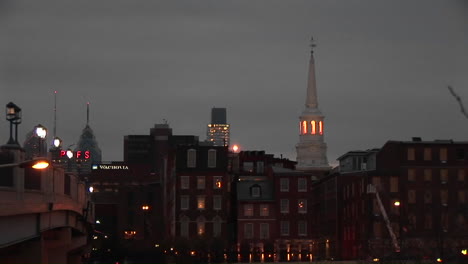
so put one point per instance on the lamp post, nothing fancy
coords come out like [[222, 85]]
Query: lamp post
[[397, 204], [145, 209], [13, 115]]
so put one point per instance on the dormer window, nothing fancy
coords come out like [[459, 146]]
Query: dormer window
[[212, 158], [191, 158], [255, 191]]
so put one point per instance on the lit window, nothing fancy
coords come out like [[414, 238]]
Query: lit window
[[444, 176], [264, 231], [248, 209], [443, 154], [302, 206], [313, 127], [248, 230], [461, 175], [284, 185], [461, 197], [393, 184], [411, 154], [284, 206], [200, 225], [217, 202], [191, 158], [320, 127], [184, 202], [200, 182], [427, 154], [217, 182], [302, 185], [201, 202], [212, 158], [184, 182], [427, 175], [264, 210], [304, 127]]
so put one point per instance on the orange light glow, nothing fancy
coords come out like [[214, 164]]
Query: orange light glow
[[320, 127], [40, 165], [304, 127], [464, 252], [235, 148], [145, 207], [439, 260], [218, 184], [312, 123]]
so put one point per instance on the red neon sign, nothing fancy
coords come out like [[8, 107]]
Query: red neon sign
[[77, 154]]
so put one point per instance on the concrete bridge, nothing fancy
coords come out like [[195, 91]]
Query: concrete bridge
[[45, 215]]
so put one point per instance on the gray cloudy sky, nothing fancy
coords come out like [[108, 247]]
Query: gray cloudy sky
[[382, 68]]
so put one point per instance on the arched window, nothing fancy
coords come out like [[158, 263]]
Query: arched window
[[320, 127], [304, 127], [191, 158], [212, 158], [300, 127], [201, 225], [217, 226], [313, 127], [184, 226]]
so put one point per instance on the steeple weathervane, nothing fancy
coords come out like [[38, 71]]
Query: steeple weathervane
[[312, 44]]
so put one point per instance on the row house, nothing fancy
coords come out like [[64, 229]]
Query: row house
[[423, 191]]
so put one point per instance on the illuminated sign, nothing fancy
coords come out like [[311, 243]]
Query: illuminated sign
[[77, 154], [109, 167]]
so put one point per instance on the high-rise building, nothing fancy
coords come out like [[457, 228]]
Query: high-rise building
[[87, 151], [218, 130], [311, 149]]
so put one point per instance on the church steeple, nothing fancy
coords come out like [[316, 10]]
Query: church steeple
[[311, 149], [311, 99]]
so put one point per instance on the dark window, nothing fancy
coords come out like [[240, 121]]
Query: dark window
[[130, 198], [460, 154], [66, 188]]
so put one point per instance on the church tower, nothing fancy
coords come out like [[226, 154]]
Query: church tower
[[311, 149]]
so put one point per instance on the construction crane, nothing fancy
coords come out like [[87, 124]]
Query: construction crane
[[372, 189]]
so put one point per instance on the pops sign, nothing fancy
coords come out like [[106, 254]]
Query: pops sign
[[77, 154]]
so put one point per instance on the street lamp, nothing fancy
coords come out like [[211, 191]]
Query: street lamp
[[41, 133], [13, 115], [38, 164], [57, 142]]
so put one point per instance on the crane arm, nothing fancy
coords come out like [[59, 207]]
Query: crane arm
[[396, 246]]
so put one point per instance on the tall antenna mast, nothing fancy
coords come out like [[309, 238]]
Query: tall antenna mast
[[55, 114], [87, 114]]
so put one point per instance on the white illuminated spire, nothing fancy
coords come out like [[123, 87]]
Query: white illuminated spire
[[312, 149]]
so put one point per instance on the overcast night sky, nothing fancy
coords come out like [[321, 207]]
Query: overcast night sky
[[382, 68]]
